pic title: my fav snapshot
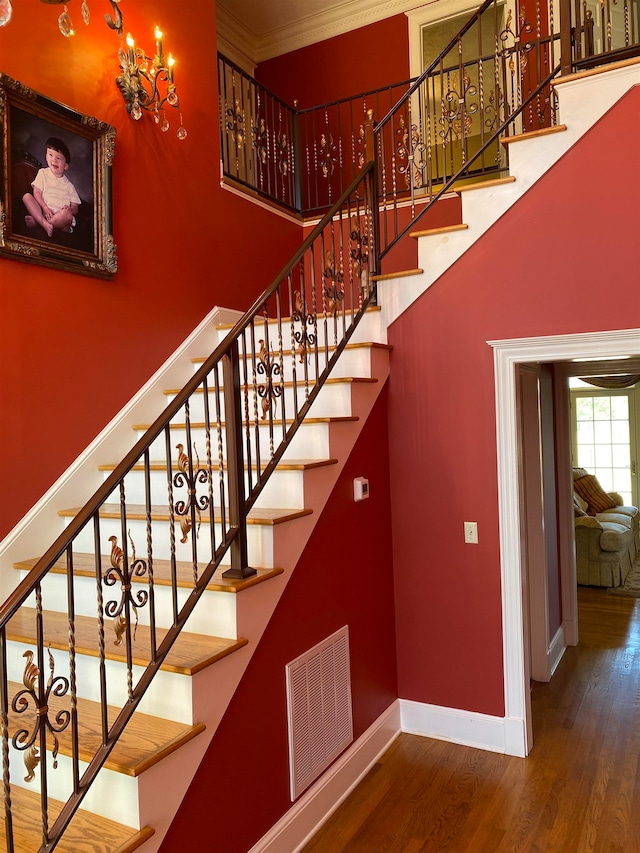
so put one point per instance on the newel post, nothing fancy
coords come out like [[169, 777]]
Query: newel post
[[237, 518], [566, 64]]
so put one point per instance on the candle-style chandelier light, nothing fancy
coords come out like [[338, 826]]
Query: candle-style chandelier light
[[145, 82]]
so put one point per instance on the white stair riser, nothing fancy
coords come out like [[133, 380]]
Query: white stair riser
[[113, 795], [215, 614], [259, 540], [284, 489], [311, 441], [169, 695], [333, 401]]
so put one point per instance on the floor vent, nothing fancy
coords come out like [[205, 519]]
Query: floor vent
[[319, 708]]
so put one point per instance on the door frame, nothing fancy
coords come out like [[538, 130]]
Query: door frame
[[507, 355]]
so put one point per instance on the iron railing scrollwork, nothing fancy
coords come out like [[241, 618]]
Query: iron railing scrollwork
[[246, 403], [476, 83], [165, 521]]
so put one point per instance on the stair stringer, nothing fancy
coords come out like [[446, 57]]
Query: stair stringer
[[162, 787], [583, 100], [42, 524]]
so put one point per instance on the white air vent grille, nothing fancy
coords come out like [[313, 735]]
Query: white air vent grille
[[319, 708]]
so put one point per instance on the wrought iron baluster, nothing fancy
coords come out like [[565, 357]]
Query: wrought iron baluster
[[246, 391], [222, 492], [4, 730], [102, 670], [73, 689], [149, 537], [209, 465], [279, 365], [172, 523]]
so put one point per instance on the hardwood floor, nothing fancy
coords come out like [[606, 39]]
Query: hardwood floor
[[578, 791]]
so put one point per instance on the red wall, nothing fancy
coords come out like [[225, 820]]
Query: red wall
[[339, 580], [582, 277], [340, 67], [74, 349]]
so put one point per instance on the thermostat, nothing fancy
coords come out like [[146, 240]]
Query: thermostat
[[360, 488]]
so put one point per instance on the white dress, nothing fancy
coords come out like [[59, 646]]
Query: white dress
[[57, 192]]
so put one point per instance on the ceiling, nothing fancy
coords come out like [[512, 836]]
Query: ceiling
[[250, 31]]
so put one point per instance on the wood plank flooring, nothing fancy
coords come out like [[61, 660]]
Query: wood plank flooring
[[577, 792]]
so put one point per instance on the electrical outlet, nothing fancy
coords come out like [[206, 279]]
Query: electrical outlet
[[471, 532]]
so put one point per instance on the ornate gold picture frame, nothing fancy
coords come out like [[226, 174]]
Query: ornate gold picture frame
[[55, 190]]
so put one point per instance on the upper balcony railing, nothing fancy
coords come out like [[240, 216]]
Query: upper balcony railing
[[304, 158]]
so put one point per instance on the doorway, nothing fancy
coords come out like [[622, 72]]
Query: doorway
[[508, 354]]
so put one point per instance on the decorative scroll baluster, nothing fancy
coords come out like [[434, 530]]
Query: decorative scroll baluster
[[190, 511], [123, 572], [35, 696], [4, 731]]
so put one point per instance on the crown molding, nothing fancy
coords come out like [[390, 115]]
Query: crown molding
[[235, 40], [334, 21]]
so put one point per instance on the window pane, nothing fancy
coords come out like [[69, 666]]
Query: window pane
[[604, 457], [622, 481], [602, 432], [585, 432], [620, 456], [584, 408], [586, 457], [620, 432], [602, 408], [620, 408]]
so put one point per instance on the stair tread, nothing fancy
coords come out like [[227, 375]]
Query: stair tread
[[300, 383], [445, 229], [482, 185], [328, 419], [330, 348], [534, 134], [145, 740], [87, 833], [286, 321], [388, 276], [138, 512], [84, 566], [190, 652], [283, 465]]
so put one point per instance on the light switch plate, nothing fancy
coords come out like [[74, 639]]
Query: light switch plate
[[471, 532]]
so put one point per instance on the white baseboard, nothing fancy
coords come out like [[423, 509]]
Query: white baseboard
[[556, 650], [315, 806], [481, 731]]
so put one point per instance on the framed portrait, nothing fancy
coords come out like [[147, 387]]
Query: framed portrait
[[55, 190]]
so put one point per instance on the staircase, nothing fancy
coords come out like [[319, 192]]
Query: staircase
[[56, 634], [186, 597]]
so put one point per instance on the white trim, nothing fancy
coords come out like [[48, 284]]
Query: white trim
[[336, 18], [468, 728], [556, 650], [315, 807], [507, 354], [440, 10], [253, 198]]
